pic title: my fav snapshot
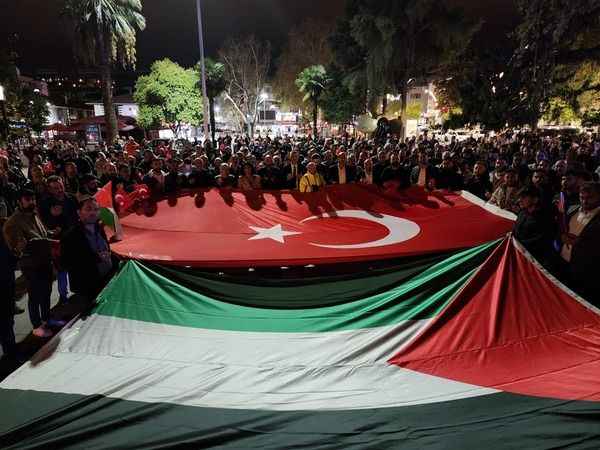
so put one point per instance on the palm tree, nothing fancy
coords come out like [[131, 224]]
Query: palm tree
[[312, 82], [105, 35], [215, 85]]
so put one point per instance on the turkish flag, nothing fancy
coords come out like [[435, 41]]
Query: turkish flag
[[347, 223]]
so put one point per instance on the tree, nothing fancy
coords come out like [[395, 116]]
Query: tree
[[215, 85], [338, 103], [105, 33], [247, 63], [307, 45], [406, 40], [484, 86], [555, 37], [169, 95], [312, 82], [33, 109]]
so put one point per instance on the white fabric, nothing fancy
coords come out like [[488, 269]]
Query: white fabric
[[147, 362]]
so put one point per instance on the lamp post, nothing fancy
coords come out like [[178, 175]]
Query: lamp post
[[4, 116], [264, 96], [203, 67]]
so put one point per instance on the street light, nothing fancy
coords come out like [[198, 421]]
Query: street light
[[4, 117], [264, 96], [203, 67]]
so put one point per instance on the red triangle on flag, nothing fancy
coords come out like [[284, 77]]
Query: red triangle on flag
[[515, 329], [104, 196]]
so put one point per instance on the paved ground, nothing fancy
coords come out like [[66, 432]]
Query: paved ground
[[28, 344]]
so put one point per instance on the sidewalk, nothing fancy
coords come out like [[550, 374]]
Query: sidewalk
[[28, 344]]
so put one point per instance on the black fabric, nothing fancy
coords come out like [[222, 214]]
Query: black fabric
[[277, 292], [503, 421]]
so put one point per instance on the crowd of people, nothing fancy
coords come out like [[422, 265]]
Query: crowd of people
[[48, 209]]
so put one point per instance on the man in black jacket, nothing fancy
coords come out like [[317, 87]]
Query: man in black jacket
[[581, 244], [342, 173], [535, 227], [85, 252]]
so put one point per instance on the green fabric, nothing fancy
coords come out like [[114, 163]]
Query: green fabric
[[503, 421], [107, 217], [139, 293]]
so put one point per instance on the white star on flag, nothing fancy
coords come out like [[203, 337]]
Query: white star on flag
[[276, 233]]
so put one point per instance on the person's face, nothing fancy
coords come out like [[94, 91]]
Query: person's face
[[57, 189], [538, 179], [312, 168], [294, 157], [124, 173], [544, 164], [510, 179], [224, 170], [527, 202], [447, 164], [37, 175], [27, 203], [479, 170], [56, 210], [156, 165], [517, 160], [89, 212], [92, 186], [70, 170], [342, 159], [589, 200], [560, 168], [568, 183], [499, 164]]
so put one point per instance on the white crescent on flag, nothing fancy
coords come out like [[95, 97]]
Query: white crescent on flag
[[399, 230]]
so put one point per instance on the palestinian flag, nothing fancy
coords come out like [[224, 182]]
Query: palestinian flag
[[471, 349], [108, 216]]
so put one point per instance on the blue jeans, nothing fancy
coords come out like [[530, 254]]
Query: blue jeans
[[39, 290], [63, 285]]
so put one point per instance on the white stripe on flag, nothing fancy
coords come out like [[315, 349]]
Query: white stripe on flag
[[147, 362]]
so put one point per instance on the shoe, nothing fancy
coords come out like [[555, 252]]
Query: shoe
[[56, 323], [42, 332], [18, 310]]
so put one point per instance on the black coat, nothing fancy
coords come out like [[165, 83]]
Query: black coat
[[399, 174], [292, 183], [536, 232], [81, 262], [334, 174], [584, 262]]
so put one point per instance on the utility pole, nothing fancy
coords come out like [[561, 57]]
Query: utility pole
[[203, 68]]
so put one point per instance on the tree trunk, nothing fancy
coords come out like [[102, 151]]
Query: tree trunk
[[110, 117], [315, 119], [211, 106], [404, 94]]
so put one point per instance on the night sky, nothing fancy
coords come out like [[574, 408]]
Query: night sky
[[171, 26]]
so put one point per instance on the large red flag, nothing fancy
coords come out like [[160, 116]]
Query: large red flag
[[341, 224]]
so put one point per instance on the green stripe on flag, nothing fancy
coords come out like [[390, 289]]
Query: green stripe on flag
[[139, 293]]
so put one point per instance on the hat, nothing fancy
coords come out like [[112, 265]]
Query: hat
[[26, 192], [88, 177]]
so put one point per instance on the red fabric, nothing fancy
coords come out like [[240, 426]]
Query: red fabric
[[213, 229], [104, 196], [514, 330]]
